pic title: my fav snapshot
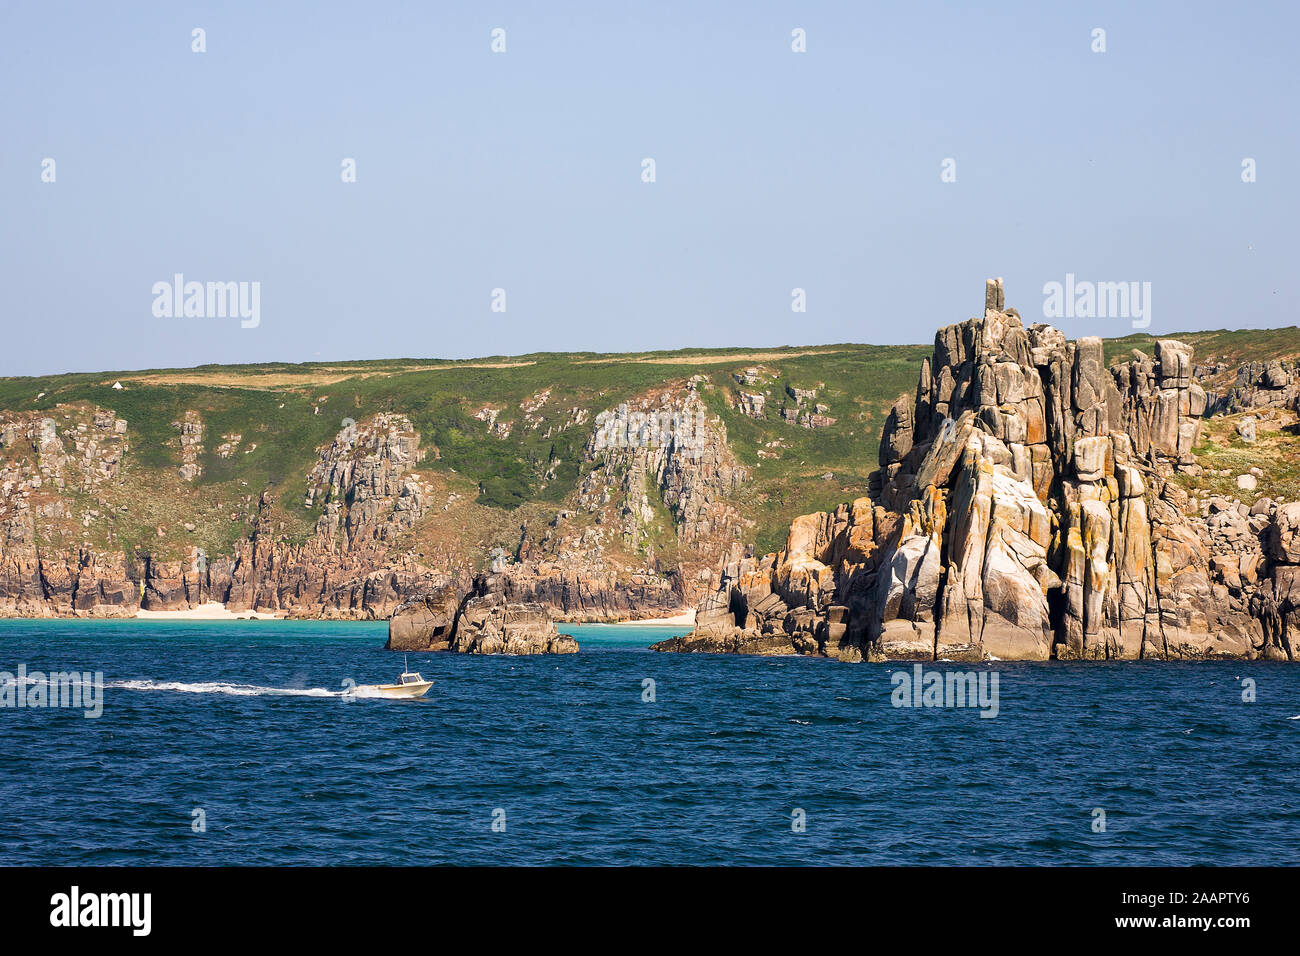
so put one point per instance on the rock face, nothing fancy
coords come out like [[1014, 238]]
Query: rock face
[[484, 621], [1278, 607], [663, 475], [191, 442], [343, 570], [1267, 384], [750, 404], [676, 446], [370, 497], [1023, 510], [48, 458], [651, 512], [591, 594], [426, 623]]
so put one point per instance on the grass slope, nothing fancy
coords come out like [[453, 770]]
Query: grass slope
[[288, 411]]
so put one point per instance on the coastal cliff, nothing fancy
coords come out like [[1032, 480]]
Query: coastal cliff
[[609, 488], [379, 522], [1032, 502]]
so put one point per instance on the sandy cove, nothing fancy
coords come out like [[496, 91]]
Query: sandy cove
[[211, 611]]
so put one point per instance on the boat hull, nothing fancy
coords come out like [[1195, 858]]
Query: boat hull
[[395, 691]]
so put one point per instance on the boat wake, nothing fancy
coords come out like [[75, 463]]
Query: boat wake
[[222, 687]]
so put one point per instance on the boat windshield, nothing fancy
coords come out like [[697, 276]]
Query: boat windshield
[[411, 679]]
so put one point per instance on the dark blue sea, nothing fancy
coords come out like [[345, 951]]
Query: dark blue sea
[[244, 728]]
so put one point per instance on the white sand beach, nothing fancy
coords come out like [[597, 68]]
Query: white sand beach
[[212, 611]]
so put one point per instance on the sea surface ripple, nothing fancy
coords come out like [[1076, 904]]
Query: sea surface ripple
[[249, 722]]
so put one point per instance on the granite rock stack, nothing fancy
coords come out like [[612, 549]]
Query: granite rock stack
[[1025, 508]]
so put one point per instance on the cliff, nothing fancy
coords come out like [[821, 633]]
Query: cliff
[[602, 487], [87, 529], [1031, 503]]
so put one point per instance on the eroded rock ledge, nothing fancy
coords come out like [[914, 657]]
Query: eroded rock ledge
[[1023, 510], [481, 621]]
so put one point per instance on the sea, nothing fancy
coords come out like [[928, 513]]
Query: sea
[[242, 742]]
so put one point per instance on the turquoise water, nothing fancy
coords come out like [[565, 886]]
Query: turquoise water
[[592, 636], [248, 725]]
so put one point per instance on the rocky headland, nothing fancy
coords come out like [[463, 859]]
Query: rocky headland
[[1148, 500], [658, 474], [1031, 503]]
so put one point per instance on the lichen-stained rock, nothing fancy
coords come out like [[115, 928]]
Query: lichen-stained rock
[[489, 623], [578, 593], [1270, 383], [1024, 510], [896, 440], [191, 444], [425, 623], [363, 480], [345, 570], [103, 586], [48, 460], [1284, 534], [662, 463], [908, 583], [994, 602], [677, 446]]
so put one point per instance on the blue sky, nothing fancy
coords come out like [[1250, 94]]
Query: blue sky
[[522, 171]]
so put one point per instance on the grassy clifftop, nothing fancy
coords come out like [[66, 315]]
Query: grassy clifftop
[[506, 431]]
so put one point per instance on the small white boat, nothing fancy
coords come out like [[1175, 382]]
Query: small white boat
[[409, 684]]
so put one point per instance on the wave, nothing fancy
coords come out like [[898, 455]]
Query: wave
[[222, 687], [28, 681]]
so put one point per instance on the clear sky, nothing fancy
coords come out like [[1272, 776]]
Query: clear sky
[[523, 171]]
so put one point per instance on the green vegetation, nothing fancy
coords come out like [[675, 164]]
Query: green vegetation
[[544, 408], [1232, 347], [1223, 455]]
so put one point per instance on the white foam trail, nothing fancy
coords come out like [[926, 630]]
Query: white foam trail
[[221, 687], [29, 681]]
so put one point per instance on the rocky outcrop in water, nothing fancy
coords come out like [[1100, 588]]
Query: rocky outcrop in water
[[427, 622], [100, 520], [483, 621], [1024, 509]]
